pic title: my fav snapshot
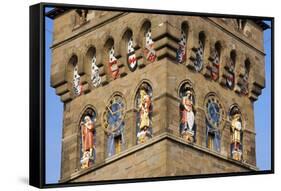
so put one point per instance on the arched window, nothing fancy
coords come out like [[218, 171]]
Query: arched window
[[181, 52], [149, 52], [131, 55], [214, 117], [73, 75], [144, 113], [230, 79], [87, 127], [199, 60], [91, 68], [95, 74], [245, 79], [113, 121], [187, 116], [236, 133], [216, 61]]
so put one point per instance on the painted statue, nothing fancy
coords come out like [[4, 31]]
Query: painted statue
[[236, 128], [144, 108], [87, 134], [181, 52], [149, 51], [95, 77], [187, 117]]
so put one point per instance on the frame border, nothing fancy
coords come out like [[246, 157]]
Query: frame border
[[37, 154]]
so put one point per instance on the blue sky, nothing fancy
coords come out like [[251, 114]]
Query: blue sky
[[54, 115]]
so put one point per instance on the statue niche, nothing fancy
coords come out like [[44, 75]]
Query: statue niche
[[187, 125], [87, 127], [144, 113], [236, 133]]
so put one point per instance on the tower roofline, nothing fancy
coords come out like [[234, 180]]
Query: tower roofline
[[54, 13]]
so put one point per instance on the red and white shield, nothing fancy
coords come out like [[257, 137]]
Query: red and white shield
[[113, 67], [215, 72], [132, 60], [150, 53], [230, 81]]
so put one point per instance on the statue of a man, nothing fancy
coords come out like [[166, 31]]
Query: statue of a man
[[187, 115], [87, 128], [236, 127]]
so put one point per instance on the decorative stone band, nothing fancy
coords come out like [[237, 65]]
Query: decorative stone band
[[154, 140]]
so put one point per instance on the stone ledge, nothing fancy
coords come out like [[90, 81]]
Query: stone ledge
[[154, 140]]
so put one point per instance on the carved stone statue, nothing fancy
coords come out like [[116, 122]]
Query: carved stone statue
[[87, 133], [82, 16], [236, 128], [144, 109], [187, 117], [144, 115]]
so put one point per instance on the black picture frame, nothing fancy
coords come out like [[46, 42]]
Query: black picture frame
[[37, 95]]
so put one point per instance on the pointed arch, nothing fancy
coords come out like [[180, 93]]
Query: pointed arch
[[144, 105], [128, 50], [236, 128], [114, 124], [187, 127], [181, 51], [87, 137]]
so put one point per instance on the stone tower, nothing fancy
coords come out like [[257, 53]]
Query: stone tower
[[154, 95]]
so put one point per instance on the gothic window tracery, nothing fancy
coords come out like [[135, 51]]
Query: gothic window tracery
[[114, 125], [144, 113]]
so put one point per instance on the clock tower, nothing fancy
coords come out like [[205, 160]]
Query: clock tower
[[155, 95]]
